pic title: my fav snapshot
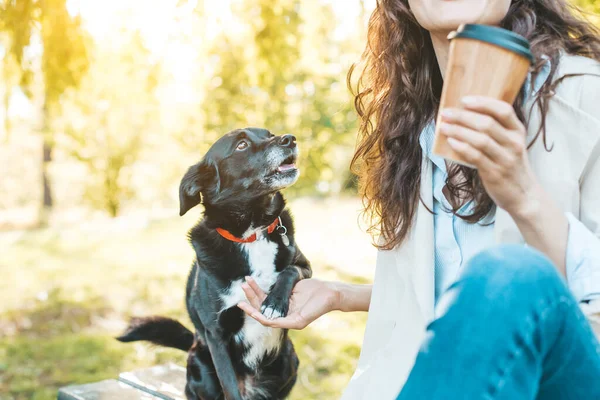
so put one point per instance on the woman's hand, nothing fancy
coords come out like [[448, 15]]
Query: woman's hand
[[311, 298], [488, 135]]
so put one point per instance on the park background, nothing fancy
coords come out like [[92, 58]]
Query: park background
[[103, 106]]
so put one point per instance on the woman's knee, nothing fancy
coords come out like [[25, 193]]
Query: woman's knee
[[511, 269]]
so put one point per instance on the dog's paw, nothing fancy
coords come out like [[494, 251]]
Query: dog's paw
[[274, 306], [271, 313]]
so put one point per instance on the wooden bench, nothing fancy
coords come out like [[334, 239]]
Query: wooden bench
[[165, 382]]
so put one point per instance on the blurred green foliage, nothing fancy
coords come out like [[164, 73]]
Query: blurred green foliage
[[104, 129], [61, 62], [112, 106], [63, 52], [288, 78]]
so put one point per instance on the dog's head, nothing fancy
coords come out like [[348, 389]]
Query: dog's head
[[241, 166]]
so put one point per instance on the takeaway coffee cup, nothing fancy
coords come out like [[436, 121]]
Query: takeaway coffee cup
[[485, 61]]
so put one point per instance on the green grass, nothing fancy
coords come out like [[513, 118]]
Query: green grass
[[65, 293]]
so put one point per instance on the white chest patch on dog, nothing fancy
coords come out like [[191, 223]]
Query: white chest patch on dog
[[259, 338]]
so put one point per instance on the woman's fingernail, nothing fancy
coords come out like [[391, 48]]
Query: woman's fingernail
[[468, 100], [248, 278]]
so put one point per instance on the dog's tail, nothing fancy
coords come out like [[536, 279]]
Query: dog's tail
[[158, 330]]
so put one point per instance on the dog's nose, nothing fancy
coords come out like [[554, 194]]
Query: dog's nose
[[288, 141]]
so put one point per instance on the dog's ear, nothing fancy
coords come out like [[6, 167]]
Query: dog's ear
[[201, 177]]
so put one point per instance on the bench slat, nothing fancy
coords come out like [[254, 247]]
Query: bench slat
[[103, 390], [163, 381]]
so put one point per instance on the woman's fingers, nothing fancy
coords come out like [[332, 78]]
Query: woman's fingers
[[480, 141], [259, 292], [478, 122], [289, 322], [254, 313], [499, 110], [471, 155], [253, 292], [251, 296], [256, 296]]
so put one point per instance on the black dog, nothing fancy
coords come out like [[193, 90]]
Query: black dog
[[246, 231]]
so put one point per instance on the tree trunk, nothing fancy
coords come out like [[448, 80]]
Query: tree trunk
[[6, 118], [47, 157], [7, 95], [47, 200]]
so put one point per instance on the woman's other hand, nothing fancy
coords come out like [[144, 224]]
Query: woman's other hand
[[311, 298], [488, 135]]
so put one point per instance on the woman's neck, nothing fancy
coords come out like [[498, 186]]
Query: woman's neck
[[441, 46]]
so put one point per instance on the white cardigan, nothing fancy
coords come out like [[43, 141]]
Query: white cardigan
[[402, 303]]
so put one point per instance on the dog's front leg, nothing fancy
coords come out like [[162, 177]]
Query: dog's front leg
[[223, 366], [277, 302]]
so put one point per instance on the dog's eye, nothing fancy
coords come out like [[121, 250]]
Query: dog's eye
[[243, 145]]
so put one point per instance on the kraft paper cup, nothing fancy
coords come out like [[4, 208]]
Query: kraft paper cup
[[483, 61]]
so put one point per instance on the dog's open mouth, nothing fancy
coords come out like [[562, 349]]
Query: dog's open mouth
[[289, 164]]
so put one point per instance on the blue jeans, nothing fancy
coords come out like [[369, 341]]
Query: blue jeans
[[509, 329]]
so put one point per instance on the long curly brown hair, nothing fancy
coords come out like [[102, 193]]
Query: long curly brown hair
[[398, 93]]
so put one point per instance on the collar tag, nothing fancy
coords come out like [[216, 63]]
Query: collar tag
[[282, 230]]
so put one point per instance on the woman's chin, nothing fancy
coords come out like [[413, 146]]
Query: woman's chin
[[447, 15]]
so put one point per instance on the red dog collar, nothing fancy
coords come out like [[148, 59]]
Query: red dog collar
[[252, 238]]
